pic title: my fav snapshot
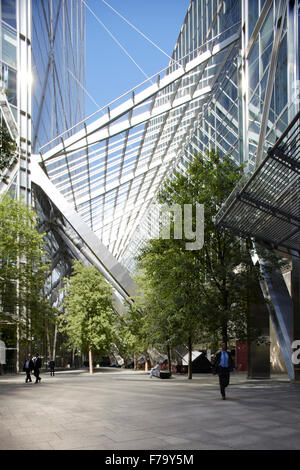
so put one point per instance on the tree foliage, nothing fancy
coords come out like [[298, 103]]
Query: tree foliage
[[218, 267], [203, 292], [7, 152], [132, 338], [89, 318], [23, 268]]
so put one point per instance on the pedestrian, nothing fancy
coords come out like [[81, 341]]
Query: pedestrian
[[155, 371], [52, 365], [37, 364], [223, 365], [28, 367]]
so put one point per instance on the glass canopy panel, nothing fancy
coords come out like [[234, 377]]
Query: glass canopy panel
[[111, 170]]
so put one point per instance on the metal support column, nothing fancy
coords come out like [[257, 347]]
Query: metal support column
[[295, 285], [258, 343]]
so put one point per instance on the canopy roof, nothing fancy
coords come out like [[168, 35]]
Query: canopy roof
[[111, 169], [265, 205]]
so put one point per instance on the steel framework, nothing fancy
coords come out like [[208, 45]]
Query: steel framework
[[111, 170], [266, 205]]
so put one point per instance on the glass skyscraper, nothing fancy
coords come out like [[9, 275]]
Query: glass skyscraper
[[42, 78], [42, 71], [254, 83], [58, 68]]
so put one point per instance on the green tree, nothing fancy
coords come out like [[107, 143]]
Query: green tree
[[145, 324], [23, 270], [221, 262], [207, 288], [7, 152], [174, 307], [89, 318], [131, 331]]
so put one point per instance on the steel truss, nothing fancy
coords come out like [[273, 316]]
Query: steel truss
[[266, 205], [111, 170]]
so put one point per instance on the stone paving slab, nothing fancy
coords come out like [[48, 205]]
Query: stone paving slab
[[125, 410]]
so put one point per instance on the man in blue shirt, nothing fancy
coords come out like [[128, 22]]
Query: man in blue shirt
[[223, 365]]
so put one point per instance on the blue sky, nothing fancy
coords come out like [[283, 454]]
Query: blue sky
[[109, 71]]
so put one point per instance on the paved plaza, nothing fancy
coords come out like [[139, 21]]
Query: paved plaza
[[121, 409]]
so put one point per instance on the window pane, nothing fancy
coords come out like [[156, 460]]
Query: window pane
[[8, 8], [281, 78], [9, 78], [9, 46]]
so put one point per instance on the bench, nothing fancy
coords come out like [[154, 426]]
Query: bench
[[164, 374]]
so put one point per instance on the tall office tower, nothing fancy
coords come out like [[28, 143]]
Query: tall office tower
[[42, 70], [58, 103], [58, 68], [15, 85], [42, 58]]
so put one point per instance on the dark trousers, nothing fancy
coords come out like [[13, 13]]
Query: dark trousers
[[224, 376], [36, 373], [28, 376], [52, 371]]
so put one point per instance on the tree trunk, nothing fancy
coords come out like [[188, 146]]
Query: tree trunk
[[169, 358], [146, 362], [190, 375], [48, 345], [18, 349], [54, 342], [249, 368], [73, 358], [134, 361], [91, 361], [224, 333]]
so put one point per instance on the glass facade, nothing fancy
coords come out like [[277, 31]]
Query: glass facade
[[8, 56], [254, 90], [42, 70], [58, 102], [246, 73], [8, 12], [58, 68], [261, 48]]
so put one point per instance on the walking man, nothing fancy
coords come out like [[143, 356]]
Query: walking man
[[28, 367], [52, 365], [223, 365], [37, 364]]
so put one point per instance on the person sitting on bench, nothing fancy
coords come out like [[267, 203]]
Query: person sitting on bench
[[155, 371]]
